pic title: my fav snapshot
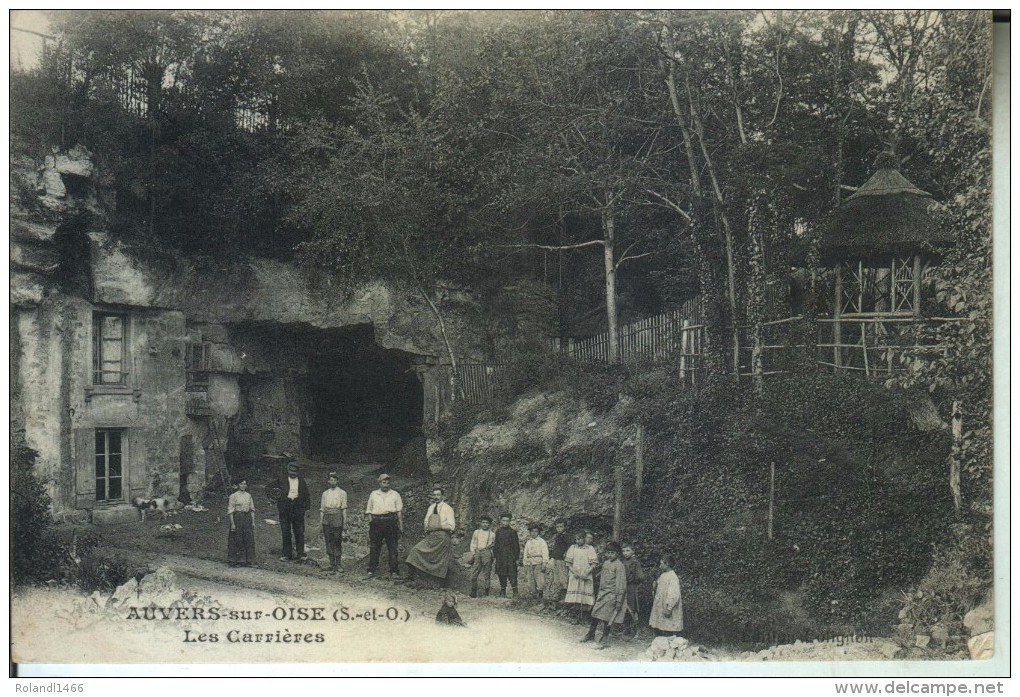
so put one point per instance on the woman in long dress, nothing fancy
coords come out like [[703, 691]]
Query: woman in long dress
[[581, 561], [241, 538]]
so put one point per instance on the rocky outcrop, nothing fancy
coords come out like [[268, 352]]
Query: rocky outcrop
[[558, 448]]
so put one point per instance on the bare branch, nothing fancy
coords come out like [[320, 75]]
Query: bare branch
[[671, 204], [554, 247], [634, 256]]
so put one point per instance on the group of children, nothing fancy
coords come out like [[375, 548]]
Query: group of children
[[601, 592]]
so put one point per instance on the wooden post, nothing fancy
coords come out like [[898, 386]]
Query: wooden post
[[684, 347], [954, 462], [837, 329], [617, 501], [639, 458], [917, 285], [436, 390], [864, 346], [772, 495]]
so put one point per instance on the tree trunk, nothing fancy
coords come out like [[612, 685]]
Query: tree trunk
[[455, 385], [703, 242], [609, 235], [756, 296], [718, 202], [724, 221]]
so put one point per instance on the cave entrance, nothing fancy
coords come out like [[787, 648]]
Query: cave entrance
[[363, 399], [329, 394]]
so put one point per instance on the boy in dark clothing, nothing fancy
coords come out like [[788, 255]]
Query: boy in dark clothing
[[507, 554], [635, 575]]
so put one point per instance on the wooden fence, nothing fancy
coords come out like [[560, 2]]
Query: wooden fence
[[478, 380], [874, 346], [670, 336]]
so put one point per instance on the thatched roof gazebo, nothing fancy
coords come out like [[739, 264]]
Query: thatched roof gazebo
[[888, 215], [881, 243]]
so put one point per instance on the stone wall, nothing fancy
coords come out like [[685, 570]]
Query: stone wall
[[60, 408]]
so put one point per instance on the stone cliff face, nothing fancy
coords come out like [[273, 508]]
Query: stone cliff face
[[547, 459], [127, 346]]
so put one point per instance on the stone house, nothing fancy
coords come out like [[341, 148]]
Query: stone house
[[138, 373]]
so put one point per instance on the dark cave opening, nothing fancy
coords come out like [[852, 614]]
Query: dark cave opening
[[363, 399], [326, 394]]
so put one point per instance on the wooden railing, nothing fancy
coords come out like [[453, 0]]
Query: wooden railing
[[874, 346], [478, 380]]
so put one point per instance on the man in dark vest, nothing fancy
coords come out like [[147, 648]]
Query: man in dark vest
[[292, 502]]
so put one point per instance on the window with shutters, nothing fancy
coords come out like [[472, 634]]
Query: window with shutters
[[109, 348], [197, 362], [111, 447]]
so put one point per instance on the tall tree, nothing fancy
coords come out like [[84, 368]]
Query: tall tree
[[578, 138], [383, 199]]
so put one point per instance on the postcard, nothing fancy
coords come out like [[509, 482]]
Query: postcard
[[657, 339]]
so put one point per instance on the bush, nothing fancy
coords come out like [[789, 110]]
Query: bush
[[100, 573], [40, 552], [958, 580], [35, 552], [860, 497], [859, 501]]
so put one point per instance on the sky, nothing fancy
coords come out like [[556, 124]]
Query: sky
[[26, 48]]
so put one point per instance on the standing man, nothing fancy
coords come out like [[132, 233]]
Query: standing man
[[432, 555], [385, 516], [506, 550], [333, 518], [292, 502]]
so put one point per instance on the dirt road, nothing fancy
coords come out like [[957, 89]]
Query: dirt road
[[51, 625]]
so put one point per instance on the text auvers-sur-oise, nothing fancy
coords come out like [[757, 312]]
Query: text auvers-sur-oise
[[213, 614]]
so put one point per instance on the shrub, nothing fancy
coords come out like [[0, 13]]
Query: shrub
[[957, 581], [35, 552], [860, 497], [96, 572], [40, 552], [859, 500]]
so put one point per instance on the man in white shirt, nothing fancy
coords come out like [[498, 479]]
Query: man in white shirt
[[481, 546], [333, 518], [385, 514], [433, 554]]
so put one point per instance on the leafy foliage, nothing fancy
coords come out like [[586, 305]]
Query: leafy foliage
[[35, 554], [857, 500], [422, 149]]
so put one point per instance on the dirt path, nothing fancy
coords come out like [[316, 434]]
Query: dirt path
[[51, 627]]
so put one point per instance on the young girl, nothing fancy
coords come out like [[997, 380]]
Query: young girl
[[611, 603], [581, 561], [241, 538], [448, 612]]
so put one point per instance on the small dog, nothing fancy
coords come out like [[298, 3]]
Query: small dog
[[163, 506], [448, 612]]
